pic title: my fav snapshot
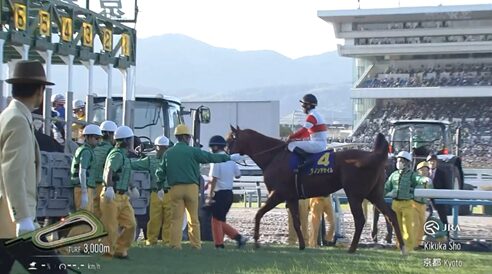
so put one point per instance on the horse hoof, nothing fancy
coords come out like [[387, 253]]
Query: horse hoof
[[302, 247], [351, 250], [257, 245]]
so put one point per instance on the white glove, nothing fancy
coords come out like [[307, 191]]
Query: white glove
[[134, 194], [84, 199], [236, 157], [160, 195], [428, 182], [24, 226], [109, 193]]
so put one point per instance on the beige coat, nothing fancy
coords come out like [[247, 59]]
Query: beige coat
[[19, 167]]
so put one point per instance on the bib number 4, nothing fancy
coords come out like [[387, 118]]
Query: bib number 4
[[324, 160]]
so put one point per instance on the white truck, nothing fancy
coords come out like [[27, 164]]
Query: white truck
[[262, 116]]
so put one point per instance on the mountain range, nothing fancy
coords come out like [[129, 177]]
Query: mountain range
[[192, 70]]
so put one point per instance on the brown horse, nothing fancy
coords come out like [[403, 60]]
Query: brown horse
[[359, 173]]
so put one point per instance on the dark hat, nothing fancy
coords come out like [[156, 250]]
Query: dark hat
[[431, 157], [217, 140], [29, 72]]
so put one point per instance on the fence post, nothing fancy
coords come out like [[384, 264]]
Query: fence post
[[455, 220]]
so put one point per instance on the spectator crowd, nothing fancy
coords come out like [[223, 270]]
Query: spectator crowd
[[423, 39], [446, 75], [473, 115]]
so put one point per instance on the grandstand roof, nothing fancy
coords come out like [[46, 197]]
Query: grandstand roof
[[416, 121], [408, 13]]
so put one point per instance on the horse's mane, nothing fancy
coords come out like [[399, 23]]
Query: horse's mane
[[264, 139]]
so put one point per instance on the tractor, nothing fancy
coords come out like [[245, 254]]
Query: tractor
[[424, 137]]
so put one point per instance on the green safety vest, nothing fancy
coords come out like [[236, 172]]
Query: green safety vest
[[150, 164], [101, 153], [120, 164], [418, 142], [401, 184], [74, 170], [422, 200]]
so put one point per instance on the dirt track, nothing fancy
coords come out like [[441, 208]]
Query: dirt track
[[273, 228]]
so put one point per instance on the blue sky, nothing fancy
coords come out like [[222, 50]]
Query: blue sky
[[290, 27]]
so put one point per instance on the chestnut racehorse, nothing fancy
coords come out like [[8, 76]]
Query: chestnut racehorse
[[359, 173]]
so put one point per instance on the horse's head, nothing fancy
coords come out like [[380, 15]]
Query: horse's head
[[236, 141]]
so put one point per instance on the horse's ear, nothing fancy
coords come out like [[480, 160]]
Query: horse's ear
[[237, 128], [233, 129]]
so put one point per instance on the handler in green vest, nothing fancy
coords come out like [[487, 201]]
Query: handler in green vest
[[117, 212], [101, 152], [82, 170], [400, 186], [160, 204], [179, 169]]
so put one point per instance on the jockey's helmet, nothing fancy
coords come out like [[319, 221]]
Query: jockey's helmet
[[310, 100]]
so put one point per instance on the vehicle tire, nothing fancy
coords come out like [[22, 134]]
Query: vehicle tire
[[457, 183]]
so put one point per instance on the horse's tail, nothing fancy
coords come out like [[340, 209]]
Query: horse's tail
[[381, 146], [378, 156]]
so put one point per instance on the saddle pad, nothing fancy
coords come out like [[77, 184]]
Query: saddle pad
[[316, 164]]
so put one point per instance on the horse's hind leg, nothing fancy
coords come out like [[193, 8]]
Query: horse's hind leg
[[272, 201], [442, 212], [391, 217], [359, 220], [294, 212], [375, 219]]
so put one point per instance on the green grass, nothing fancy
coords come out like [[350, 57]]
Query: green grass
[[281, 259]]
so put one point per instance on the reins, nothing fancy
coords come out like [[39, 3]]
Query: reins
[[263, 152], [270, 149]]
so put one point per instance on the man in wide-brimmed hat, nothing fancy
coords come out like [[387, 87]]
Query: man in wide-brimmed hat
[[20, 165]]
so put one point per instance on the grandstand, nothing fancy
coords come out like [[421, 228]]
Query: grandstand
[[421, 63]]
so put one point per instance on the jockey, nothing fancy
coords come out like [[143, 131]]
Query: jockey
[[314, 132]]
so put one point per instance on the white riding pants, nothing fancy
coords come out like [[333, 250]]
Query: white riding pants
[[310, 146]]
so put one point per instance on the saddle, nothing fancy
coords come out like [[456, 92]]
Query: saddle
[[310, 164]]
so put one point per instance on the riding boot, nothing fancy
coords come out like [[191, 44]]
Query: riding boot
[[303, 155]]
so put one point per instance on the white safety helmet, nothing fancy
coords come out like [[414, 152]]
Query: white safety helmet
[[92, 130], [78, 104], [161, 141], [123, 132], [405, 155], [108, 126], [58, 98]]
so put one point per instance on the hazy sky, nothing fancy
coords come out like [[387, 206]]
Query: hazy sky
[[290, 27]]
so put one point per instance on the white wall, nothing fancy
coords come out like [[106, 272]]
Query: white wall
[[262, 116]]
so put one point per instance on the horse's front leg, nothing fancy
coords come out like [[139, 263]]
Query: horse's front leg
[[272, 201]]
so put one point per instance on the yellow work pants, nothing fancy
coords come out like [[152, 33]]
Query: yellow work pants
[[419, 221], [116, 214], [365, 209], [97, 199], [159, 217], [77, 196], [184, 196], [81, 229], [405, 212], [303, 217], [318, 206]]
